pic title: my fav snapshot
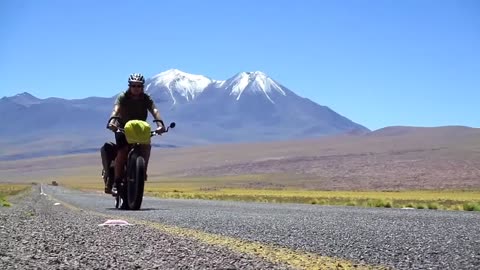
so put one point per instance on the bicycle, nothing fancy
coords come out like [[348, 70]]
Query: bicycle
[[129, 192]]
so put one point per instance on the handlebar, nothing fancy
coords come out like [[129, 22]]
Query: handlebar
[[152, 133]]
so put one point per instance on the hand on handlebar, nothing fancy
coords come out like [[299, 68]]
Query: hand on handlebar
[[112, 127], [160, 130]]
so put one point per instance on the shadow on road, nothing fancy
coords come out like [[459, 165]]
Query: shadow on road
[[140, 210]]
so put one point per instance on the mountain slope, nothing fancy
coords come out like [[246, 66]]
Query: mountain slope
[[250, 106]]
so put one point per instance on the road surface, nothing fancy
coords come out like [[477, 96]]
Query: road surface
[[312, 234]]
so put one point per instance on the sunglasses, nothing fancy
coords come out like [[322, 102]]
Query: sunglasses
[[136, 85]]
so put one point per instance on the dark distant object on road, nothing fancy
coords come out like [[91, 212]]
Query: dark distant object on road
[[54, 183]]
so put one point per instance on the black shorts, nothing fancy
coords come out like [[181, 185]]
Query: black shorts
[[120, 139]]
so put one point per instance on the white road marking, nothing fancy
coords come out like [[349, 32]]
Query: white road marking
[[41, 190], [115, 222]]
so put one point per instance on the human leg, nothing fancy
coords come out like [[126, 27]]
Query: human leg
[[121, 158], [108, 153]]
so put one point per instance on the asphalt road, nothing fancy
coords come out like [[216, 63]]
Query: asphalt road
[[396, 238], [38, 232]]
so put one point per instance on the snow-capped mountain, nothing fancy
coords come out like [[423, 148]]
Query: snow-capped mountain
[[250, 106], [179, 87], [254, 82], [177, 84]]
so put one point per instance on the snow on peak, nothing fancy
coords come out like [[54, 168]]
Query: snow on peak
[[26, 95], [25, 99], [185, 84], [257, 82], [177, 83]]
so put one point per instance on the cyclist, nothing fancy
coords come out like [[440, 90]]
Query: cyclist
[[132, 104]]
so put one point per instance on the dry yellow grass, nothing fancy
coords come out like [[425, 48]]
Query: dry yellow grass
[[453, 200], [217, 189], [10, 190]]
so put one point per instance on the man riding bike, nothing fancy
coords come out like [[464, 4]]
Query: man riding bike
[[132, 104]]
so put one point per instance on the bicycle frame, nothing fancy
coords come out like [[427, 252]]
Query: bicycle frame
[[130, 191]]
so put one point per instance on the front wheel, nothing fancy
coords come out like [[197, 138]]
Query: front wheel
[[136, 184]]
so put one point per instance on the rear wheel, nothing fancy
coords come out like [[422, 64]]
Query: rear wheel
[[136, 184]]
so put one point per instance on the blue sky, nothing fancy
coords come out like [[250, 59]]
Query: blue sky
[[379, 63]]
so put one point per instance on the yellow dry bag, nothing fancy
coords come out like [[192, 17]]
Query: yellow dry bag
[[137, 131]]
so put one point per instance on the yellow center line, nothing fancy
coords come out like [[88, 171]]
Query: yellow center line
[[293, 258]]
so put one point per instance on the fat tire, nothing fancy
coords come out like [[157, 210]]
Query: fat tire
[[136, 188]]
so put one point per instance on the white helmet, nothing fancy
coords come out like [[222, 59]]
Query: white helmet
[[136, 77]]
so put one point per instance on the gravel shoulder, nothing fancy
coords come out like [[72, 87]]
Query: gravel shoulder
[[36, 234]]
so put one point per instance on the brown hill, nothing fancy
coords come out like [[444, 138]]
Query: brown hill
[[391, 158]]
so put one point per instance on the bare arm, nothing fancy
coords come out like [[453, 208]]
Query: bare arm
[[115, 113], [156, 115]]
